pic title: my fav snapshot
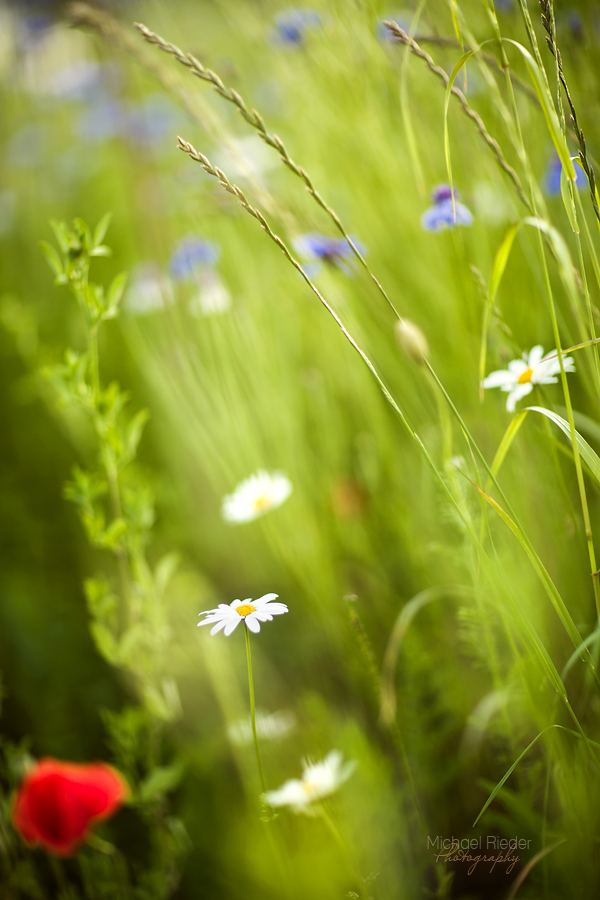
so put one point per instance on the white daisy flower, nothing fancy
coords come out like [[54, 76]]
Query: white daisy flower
[[522, 374], [252, 612], [318, 780], [269, 726], [213, 297], [256, 495]]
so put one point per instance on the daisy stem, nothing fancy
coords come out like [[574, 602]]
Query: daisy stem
[[253, 710]]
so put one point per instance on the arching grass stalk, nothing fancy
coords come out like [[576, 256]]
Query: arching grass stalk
[[550, 587], [253, 710]]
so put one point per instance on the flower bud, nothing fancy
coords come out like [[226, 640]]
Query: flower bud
[[412, 340]]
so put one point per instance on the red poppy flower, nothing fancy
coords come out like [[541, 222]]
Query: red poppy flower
[[58, 803]]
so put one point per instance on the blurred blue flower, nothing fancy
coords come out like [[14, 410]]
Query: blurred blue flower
[[101, 121], [32, 29], [444, 213], [292, 24], [553, 173], [191, 254], [330, 250], [148, 122], [504, 5], [79, 81]]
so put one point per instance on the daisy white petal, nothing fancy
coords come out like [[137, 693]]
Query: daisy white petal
[[266, 598], [253, 623], [535, 356], [517, 394], [499, 378], [517, 366], [230, 626], [522, 375], [318, 780], [228, 617], [274, 609]]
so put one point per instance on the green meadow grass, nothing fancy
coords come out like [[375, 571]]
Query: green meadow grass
[[438, 600]]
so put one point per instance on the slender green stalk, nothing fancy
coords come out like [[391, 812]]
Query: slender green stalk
[[253, 710], [335, 832]]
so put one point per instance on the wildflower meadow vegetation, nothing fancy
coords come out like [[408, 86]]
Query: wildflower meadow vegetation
[[299, 315]]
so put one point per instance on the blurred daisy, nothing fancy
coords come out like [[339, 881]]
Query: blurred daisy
[[149, 291], [553, 173], [247, 157], [213, 298], [269, 726], [256, 496], [191, 254], [518, 380], [251, 612], [292, 25], [444, 213], [318, 780], [330, 250]]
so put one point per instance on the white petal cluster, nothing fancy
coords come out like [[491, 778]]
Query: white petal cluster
[[522, 374], [227, 618], [256, 496], [318, 780], [269, 726]]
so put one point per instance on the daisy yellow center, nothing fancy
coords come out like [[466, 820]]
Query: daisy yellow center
[[525, 376], [245, 609], [262, 502], [309, 787]]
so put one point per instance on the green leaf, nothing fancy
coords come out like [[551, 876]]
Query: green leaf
[[498, 268], [111, 538], [114, 295], [61, 233], [547, 105], [161, 780], [505, 444], [133, 434], [589, 456], [449, 87], [100, 230], [164, 571], [102, 250], [105, 642], [551, 589], [567, 199], [52, 258]]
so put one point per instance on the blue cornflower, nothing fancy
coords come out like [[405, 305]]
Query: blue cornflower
[[323, 249], [101, 120], [147, 123], [553, 173], [191, 254], [291, 25], [444, 213]]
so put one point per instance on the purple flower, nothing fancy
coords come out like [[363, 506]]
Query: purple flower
[[192, 253], [444, 213], [292, 24], [148, 122], [330, 250], [101, 121], [553, 173]]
